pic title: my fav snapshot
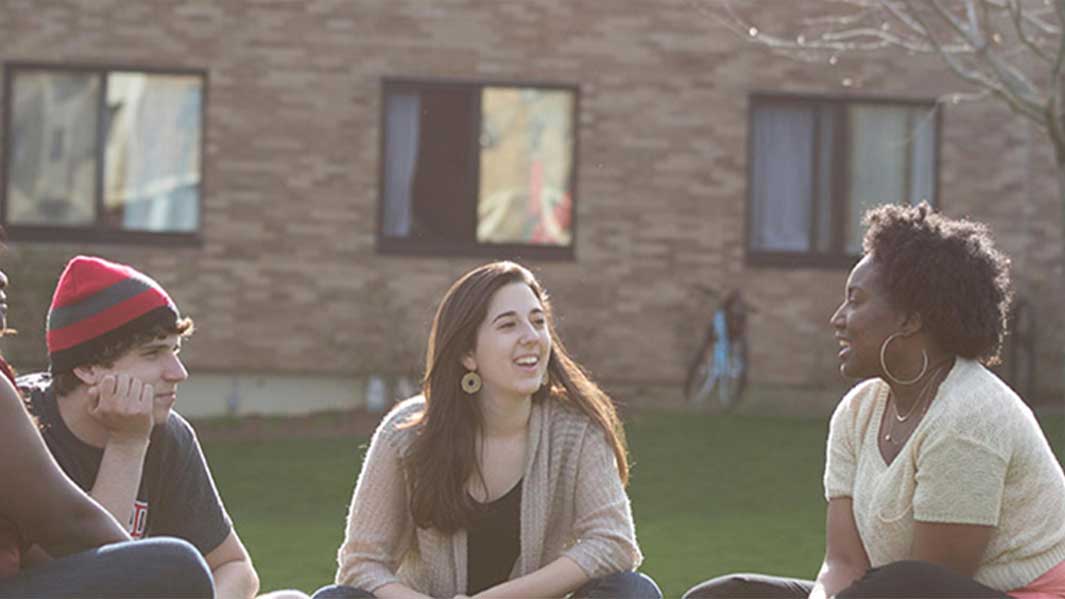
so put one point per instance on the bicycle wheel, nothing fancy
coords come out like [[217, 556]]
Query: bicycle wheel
[[732, 380], [703, 384], [699, 383]]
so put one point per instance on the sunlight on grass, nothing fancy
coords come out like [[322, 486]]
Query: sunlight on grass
[[710, 496]]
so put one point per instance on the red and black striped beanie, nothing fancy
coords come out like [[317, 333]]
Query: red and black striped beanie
[[97, 303]]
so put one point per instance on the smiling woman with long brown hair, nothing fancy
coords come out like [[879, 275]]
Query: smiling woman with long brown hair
[[506, 477]]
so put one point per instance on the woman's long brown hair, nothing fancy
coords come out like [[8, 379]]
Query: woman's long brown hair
[[443, 456]]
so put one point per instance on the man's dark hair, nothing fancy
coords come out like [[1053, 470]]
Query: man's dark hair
[[65, 381], [946, 270]]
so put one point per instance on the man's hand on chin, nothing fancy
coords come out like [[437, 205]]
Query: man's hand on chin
[[123, 405]]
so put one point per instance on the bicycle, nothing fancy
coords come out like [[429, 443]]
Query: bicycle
[[719, 368]]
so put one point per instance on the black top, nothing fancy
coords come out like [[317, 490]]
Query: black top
[[177, 496], [493, 542]]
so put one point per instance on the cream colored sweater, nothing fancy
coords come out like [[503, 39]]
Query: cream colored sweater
[[977, 457], [572, 504]]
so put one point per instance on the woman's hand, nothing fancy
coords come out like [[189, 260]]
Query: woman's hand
[[556, 579]]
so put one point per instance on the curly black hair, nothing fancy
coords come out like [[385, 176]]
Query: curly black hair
[[948, 271]]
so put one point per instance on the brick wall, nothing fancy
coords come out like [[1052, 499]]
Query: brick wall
[[287, 279]]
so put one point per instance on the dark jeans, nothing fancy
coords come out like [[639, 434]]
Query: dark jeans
[[622, 585], [149, 569], [742, 586], [899, 580]]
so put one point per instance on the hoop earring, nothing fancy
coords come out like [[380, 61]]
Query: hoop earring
[[471, 382], [895, 379]]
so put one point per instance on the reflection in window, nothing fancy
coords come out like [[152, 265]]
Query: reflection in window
[[134, 136], [52, 149], [526, 156], [152, 179], [470, 166]]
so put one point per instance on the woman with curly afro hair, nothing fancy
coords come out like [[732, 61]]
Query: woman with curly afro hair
[[939, 481]]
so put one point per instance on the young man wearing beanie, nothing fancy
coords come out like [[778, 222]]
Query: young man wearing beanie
[[105, 413]]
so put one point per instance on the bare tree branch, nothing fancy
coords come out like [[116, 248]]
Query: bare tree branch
[[899, 11], [846, 20], [967, 42], [1013, 50], [956, 24], [1024, 107], [959, 97], [1028, 15], [985, 17], [1013, 7], [1012, 77], [882, 37], [1011, 80], [1053, 110], [977, 25], [839, 40], [1059, 61]]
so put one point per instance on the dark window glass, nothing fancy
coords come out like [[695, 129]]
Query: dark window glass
[[817, 165]]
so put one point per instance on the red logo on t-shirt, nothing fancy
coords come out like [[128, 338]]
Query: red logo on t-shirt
[[138, 520]]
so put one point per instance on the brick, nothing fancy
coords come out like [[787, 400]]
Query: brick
[[288, 279]]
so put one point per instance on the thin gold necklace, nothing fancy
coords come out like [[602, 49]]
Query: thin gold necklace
[[920, 399], [921, 396]]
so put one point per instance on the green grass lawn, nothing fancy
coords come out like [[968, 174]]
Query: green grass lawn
[[710, 495]]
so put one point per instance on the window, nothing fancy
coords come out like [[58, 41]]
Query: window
[[102, 154], [817, 164], [476, 169]]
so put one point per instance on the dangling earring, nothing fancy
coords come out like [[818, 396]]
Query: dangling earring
[[895, 379], [471, 382], [546, 380]]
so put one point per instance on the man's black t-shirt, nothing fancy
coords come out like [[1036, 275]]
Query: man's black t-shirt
[[177, 496]]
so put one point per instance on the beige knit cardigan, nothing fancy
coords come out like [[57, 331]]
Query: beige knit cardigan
[[572, 504]]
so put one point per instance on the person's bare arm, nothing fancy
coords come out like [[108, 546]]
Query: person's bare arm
[[955, 546], [232, 570], [123, 405], [50, 509], [845, 557], [975, 470]]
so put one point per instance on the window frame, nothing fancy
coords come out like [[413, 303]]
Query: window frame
[[421, 248], [99, 232], [838, 257]]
